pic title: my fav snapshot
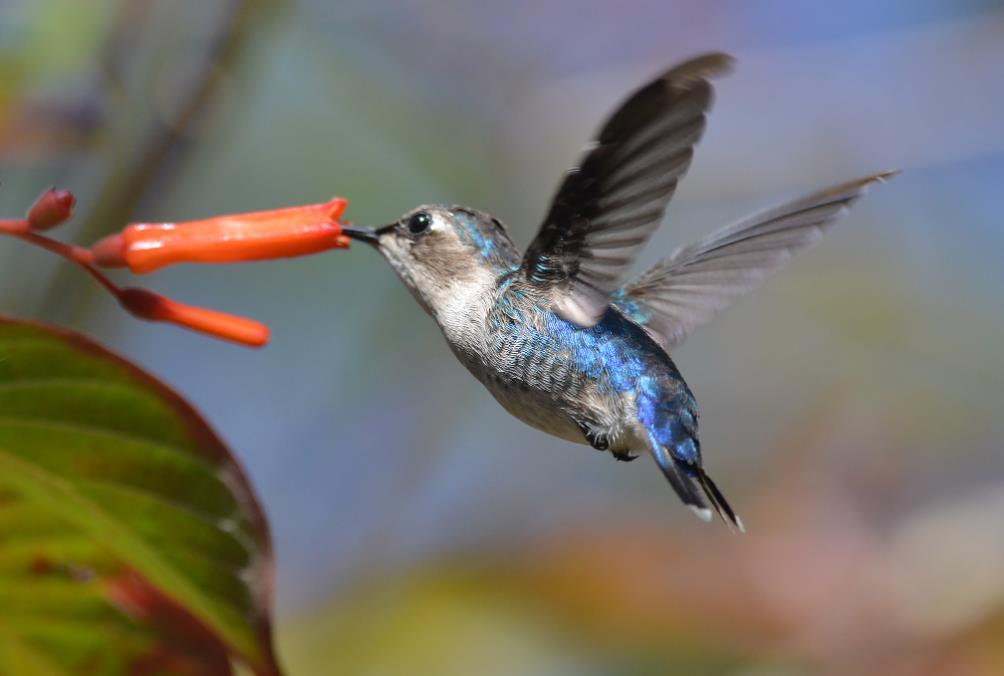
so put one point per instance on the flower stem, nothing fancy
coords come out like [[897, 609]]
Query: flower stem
[[146, 304]]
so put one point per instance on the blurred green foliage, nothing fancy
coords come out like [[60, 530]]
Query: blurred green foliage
[[117, 505]]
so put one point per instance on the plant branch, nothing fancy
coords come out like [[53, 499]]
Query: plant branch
[[130, 182]]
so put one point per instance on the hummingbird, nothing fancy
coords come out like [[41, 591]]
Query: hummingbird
[[555, 334]]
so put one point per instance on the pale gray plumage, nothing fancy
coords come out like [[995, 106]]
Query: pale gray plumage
[[695, 282]]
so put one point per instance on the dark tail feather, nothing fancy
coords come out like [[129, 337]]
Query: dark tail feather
[[689, 482], [682, 482], [718, 500]]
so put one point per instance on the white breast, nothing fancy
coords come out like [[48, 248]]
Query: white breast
[[461, 309]]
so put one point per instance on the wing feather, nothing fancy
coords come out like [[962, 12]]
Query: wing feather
[[606, 209], [695, 282]]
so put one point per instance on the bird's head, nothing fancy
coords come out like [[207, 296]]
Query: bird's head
[[440, 251]]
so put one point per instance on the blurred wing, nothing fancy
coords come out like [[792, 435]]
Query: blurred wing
[[690, 286], [605, 209]]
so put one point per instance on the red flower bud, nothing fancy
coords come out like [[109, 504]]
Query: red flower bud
[[261, 235], [157, 308], [50, 209]]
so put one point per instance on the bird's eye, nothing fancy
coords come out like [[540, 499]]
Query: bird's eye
[[419, 223]]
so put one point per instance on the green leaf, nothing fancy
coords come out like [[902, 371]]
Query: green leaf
[[130, 539]]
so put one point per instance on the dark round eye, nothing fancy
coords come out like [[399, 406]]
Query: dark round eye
[[419, 223]]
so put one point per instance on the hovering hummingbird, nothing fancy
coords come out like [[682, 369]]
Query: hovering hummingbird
[[554, 334]]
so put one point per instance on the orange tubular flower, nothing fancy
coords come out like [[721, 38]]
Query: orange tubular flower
[[144, 247], [157, 308], [261, 235]]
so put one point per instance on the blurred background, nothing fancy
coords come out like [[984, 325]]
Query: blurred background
[[852, 407]]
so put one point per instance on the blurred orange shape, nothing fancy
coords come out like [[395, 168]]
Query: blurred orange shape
[[260, 235], [155, 307]]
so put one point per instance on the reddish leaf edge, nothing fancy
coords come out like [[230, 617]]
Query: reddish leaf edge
[[233, 471], [186, 645]]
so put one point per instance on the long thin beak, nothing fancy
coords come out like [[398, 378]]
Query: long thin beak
[[368, 235]]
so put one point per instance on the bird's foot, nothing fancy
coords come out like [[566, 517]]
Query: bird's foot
[[598, 441], [624, 456]]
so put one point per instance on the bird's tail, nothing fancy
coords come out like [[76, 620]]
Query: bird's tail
[[718, 500], [672, 432], [695, 488]]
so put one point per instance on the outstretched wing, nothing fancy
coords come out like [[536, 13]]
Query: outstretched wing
[[690, 286], [605, 209]]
